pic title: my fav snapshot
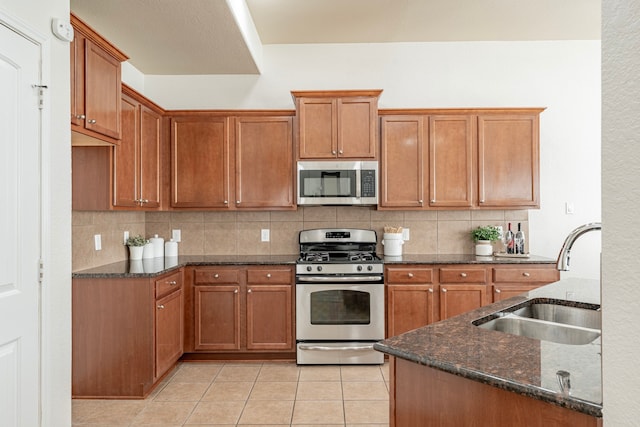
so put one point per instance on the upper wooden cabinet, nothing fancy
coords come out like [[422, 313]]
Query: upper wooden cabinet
[[337, 124], [460, 159], [214, 167], [95, 86], [137, 159]]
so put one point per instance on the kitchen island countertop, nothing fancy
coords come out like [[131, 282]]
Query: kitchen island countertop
[[510, 362]]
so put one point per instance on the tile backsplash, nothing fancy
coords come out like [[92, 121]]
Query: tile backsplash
[[239, 233]]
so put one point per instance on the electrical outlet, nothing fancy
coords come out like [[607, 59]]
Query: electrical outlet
[[97, 239], [176, 235], [569, 208], [264, 235], [405, 234], [125, 237]]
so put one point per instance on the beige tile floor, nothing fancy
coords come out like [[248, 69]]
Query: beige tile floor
[[252, 394]]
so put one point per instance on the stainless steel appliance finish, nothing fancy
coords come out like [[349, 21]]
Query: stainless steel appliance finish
[[337, 182], [339, 297]]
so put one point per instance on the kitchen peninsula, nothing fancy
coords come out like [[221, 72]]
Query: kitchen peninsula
[[454, 373]]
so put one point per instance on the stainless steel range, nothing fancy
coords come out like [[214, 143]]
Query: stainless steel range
[[339, 297]]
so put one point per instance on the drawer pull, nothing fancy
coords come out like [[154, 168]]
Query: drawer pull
[[463, 274], [215, 276], [160, 307], [235, 291], [410, 275], [430, 290], [268, 275], [498, 291], [444, 290], [249, 291], [525, 274], [172, 283], [92, 121]]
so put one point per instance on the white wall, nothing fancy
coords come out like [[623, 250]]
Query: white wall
[[621, 205], [563, 76], [56, 292]]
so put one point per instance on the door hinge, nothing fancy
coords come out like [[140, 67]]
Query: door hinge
[[41, 89], [40, 271]]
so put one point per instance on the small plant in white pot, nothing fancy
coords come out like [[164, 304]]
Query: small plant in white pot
[[136, 247], [484, 237]]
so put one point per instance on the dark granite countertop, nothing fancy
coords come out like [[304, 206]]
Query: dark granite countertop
[[519, 364], [465, 259]]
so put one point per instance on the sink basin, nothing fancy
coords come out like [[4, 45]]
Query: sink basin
[[542, 330], [564, 314], [548, 320]]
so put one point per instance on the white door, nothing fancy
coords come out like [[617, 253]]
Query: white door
[[20, 230]]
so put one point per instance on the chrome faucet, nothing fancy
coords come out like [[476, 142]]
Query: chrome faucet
[[563, 257]]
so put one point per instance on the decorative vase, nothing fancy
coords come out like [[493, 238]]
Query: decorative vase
[[484, 248], [135, 252]]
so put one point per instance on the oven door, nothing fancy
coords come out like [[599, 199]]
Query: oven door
[[339, 312]]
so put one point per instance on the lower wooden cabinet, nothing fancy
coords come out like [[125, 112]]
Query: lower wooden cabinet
[[247, 309], [122, 341], [420, 294]]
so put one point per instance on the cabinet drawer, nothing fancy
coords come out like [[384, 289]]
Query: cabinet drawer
[[463, 275], [409, 275], [168, 284], [525, 274], [213, 276], [280, 276]]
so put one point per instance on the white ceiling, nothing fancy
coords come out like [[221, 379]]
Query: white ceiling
[[226, 36]]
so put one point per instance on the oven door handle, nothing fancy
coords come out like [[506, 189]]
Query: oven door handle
[[350, 279], [327, 348]]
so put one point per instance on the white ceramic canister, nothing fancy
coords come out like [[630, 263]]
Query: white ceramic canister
[[147, 251], [171, 248], [392, 243], [158, 246]]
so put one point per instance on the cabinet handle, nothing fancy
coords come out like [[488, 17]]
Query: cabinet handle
[[235, 291], [333, 152], [420, 201], [463, 274], [143, 201], [226, 202], [92, 121], [268, 275], [81, 116], [215, 276], [481, 200], [160, 307], [443, 290], [249, 291], [172, 283], [430, 290], [237, 202], [498, 291], [525, 274], [410, 275], [340, 152], [433, 200]]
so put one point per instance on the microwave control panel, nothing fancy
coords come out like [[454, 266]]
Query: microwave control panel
[[368, 183]]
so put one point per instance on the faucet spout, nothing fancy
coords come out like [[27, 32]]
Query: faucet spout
[[563, 256]]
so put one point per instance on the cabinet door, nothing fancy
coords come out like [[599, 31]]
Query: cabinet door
[[409, 307], [217, 317], [402, 166], [264, 162], [126, 157], [458, 299], [357, 122], [269, 317], [102, 91], [505, 291], [451, 168], [200, 160], [508, 161], [169, 335], [318, 128], [150, 172], [77, 79]]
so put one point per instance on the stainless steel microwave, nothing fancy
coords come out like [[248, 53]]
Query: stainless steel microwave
[[337, 182]]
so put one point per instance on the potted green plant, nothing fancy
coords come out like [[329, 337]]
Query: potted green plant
[[484, 237], [136, 246]]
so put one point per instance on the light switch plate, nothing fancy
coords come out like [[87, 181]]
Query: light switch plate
[[405, 234], [125, 237], [98, 242], [264, 235], [176, 235]]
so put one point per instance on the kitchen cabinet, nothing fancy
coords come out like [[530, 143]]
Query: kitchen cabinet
[[95, 87], [225, 161], [509, 281], [462, 289], [137, 159], [127, 333], [243, 310], [508, 160], [337, 124], [420, 395], [91, 179], [411, 298], [459, 158]]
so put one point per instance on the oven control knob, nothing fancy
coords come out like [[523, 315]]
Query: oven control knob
[[359, 268], [309, 268], [319, 268], [370, 267]]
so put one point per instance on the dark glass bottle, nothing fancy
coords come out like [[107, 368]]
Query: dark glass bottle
[[519, 241], [509, 240]]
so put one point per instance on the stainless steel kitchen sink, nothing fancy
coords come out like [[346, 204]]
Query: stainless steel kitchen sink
[[548, 320]]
